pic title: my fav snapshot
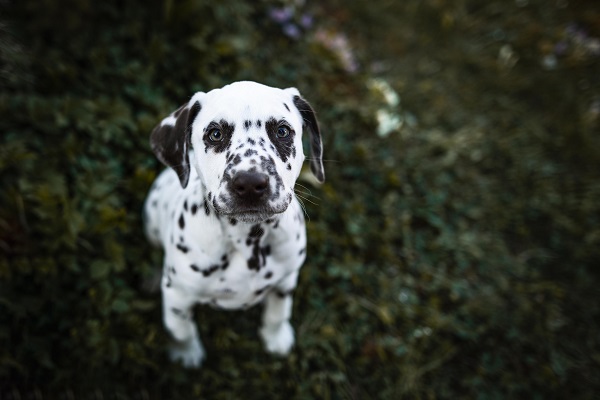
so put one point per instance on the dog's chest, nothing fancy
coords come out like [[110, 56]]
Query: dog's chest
[[236, 272], [234, 265]]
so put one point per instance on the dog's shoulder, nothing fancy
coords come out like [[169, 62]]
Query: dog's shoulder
[[172, 212]]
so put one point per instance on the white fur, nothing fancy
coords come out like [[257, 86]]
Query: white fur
[[228, 262]]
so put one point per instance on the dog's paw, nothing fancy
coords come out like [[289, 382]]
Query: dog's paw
[[280, 340], [189, 353]]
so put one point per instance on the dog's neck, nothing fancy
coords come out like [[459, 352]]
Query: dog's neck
[[250, 239], [248, 231]]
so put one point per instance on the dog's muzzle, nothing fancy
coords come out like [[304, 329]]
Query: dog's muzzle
[[250, 198]]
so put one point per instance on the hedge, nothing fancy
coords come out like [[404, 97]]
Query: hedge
[[454, 255]]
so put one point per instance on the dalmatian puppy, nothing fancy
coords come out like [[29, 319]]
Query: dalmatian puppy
[[225, 212]]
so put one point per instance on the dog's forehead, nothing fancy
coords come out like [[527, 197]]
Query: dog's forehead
[[243, 100]]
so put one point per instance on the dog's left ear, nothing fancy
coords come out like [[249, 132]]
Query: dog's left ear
[[171, 139], [310, 121]]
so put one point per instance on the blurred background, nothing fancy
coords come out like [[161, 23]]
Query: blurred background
[[454, 250]]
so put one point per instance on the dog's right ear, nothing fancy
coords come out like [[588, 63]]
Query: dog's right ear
[[309, 119], [171, 139]]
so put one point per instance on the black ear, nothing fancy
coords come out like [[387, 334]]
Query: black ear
[[316, 145], [170, 140]]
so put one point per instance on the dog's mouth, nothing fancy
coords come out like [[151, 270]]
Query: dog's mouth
[[249, 214], [249, 211]]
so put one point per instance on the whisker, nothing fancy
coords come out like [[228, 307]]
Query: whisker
[[306, 191], [299, 196], [303, 207]]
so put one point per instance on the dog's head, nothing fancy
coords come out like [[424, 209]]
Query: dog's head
[[247, 142]]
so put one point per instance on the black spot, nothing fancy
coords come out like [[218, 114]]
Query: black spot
[[154, 203], [237, 159], [209, 195], [195, 268], [256, 231], [286, 107], [289, 167], [282, 146], [247, 124], [210, 270], [206, 208], [261, 291], [258, 123], [266, 251], [185, 205], [251, 141], [268, 165], [254, 262], [194, 208], [227, 130], [181, 222], [281, 294], [225, 265], [250, 153], [268, 275], [259, 254], [168, 282], [232, 221], [172, 271], [182, 248], [302, 251]]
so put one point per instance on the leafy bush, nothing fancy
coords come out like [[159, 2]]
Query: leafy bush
[[455, 257]]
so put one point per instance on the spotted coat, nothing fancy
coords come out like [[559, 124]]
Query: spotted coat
[[225, 213]]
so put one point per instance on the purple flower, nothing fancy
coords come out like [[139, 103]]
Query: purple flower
[[281, 15], [292, 31], [306, 21]]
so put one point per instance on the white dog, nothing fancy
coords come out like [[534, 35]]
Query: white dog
[[225, 213]]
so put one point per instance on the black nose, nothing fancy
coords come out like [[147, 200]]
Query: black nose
[[250, 185]]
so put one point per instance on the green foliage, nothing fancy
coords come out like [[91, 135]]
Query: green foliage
[[455, 258]]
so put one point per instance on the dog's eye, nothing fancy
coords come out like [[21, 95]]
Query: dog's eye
[[215, 135], [283, 132]]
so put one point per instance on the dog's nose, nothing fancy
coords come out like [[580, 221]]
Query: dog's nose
[[250, 185]]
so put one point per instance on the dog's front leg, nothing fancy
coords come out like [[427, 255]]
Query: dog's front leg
[[178, 319], [276, 331]]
